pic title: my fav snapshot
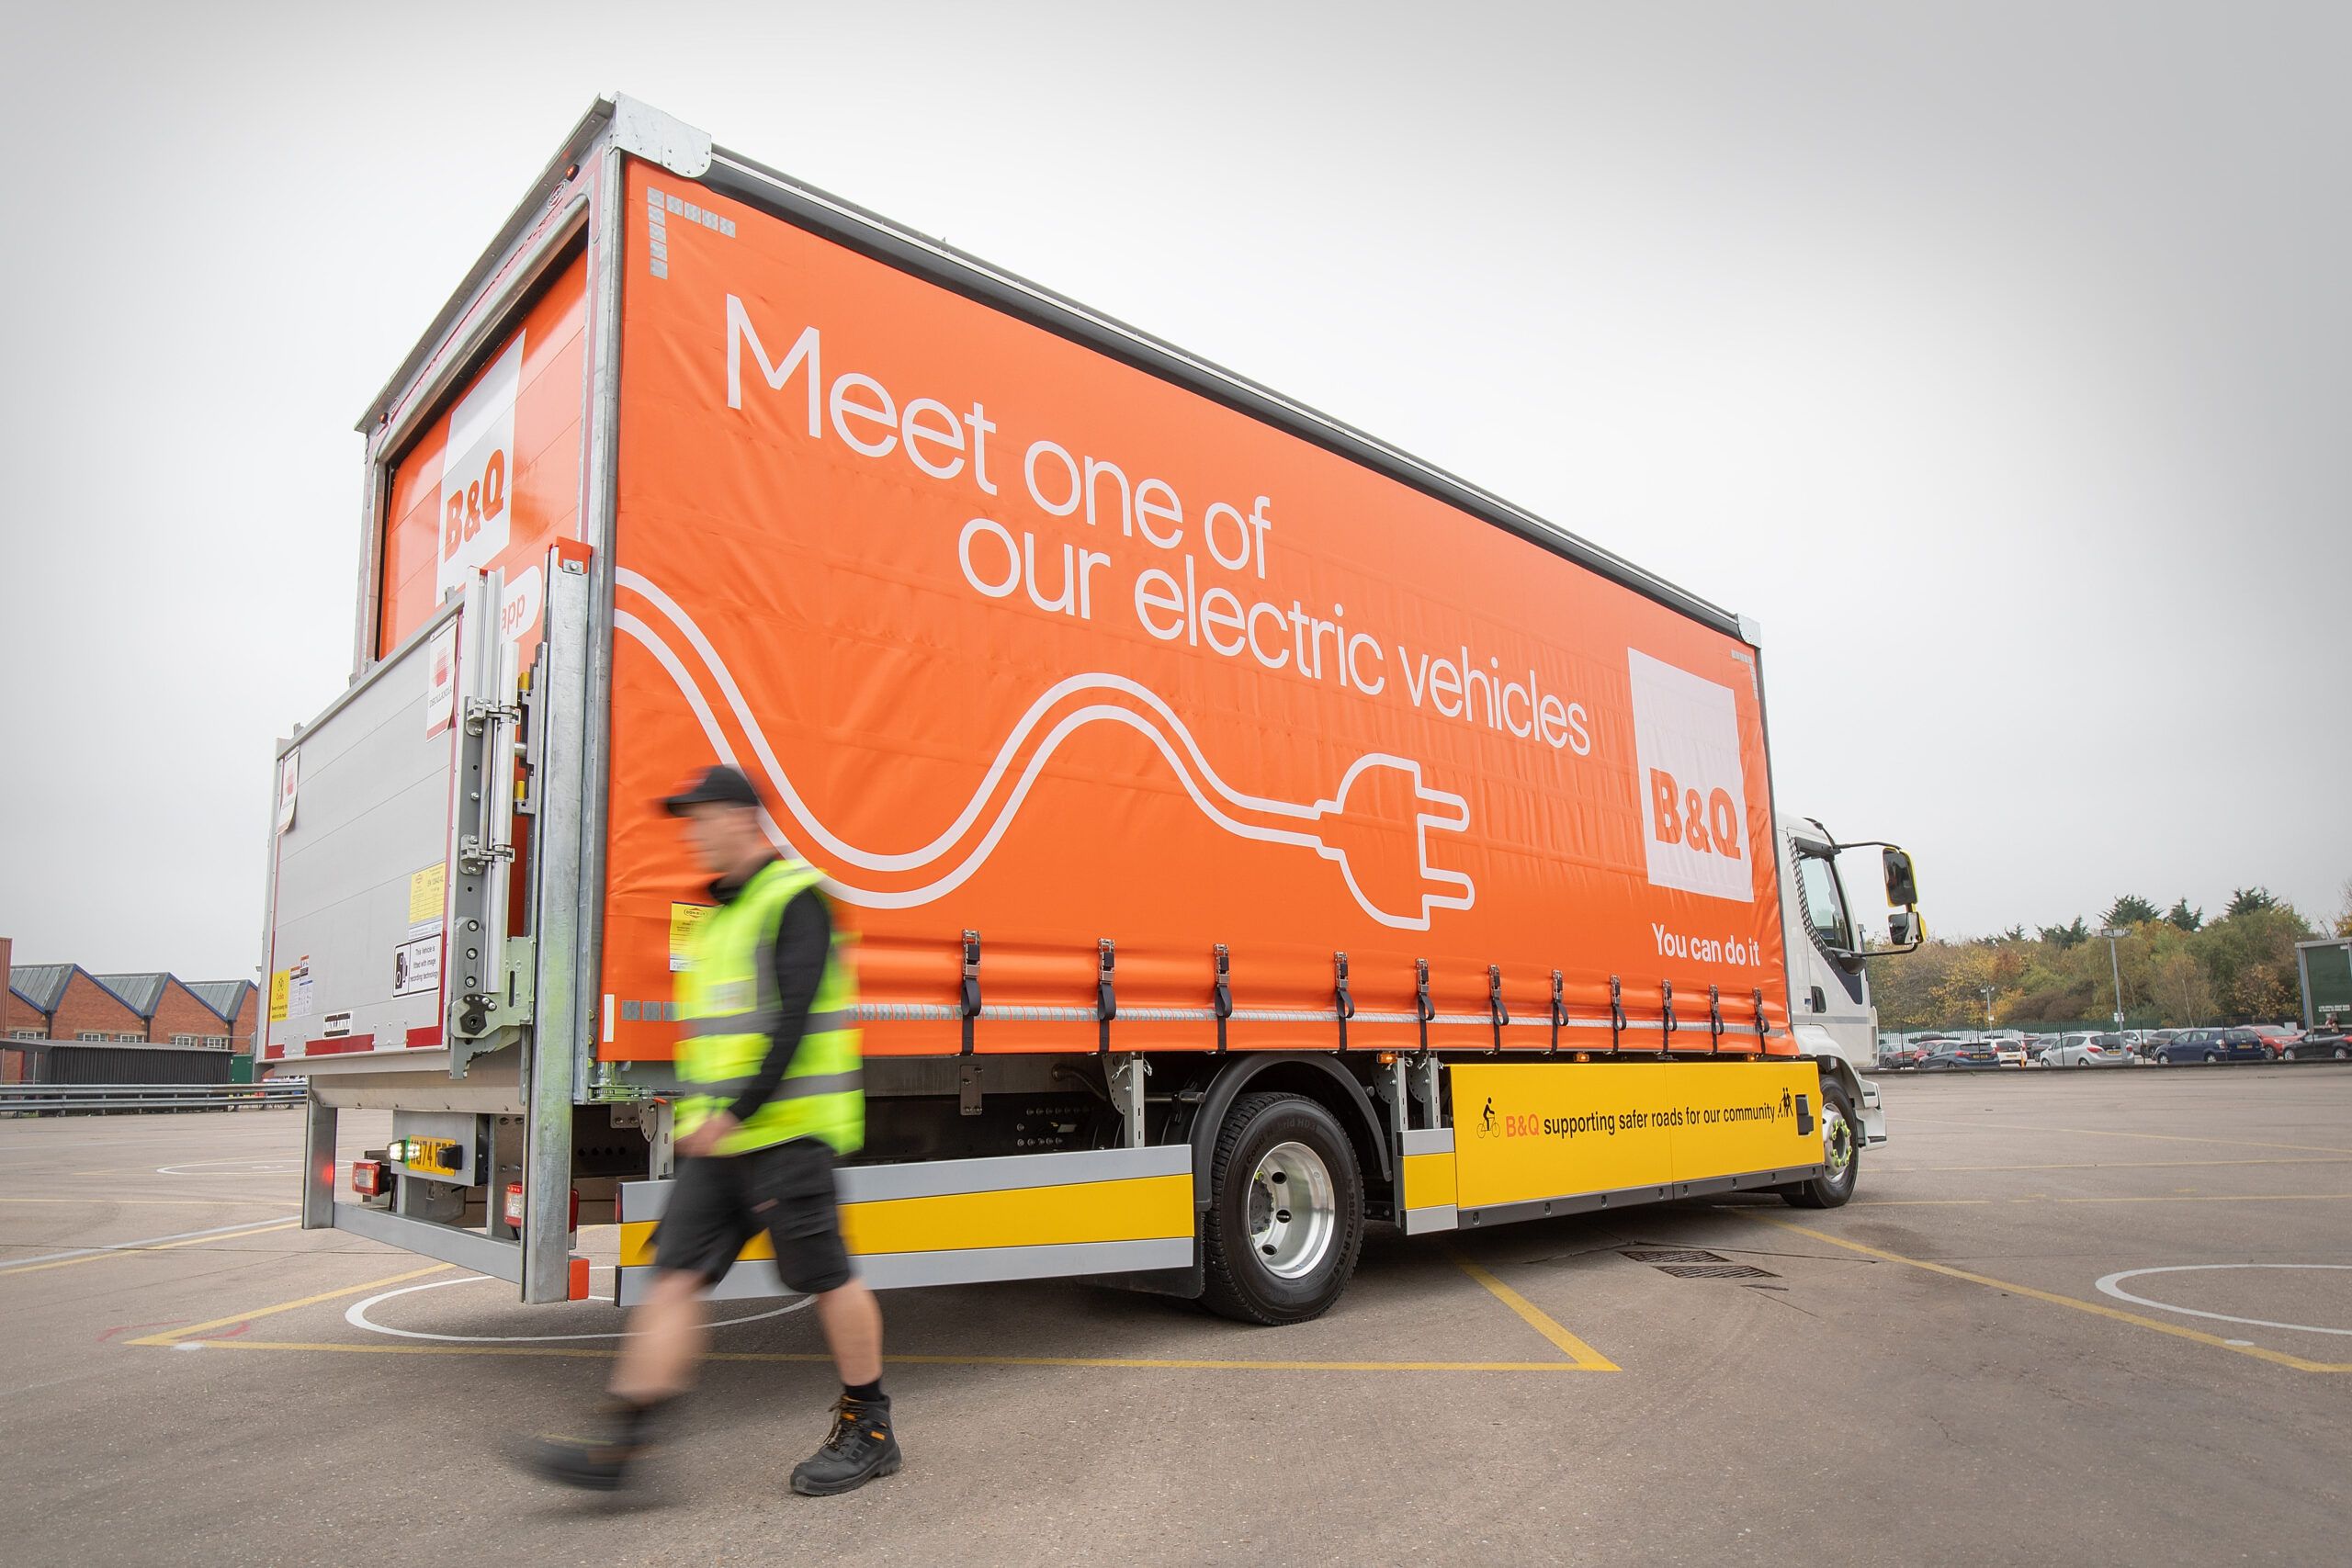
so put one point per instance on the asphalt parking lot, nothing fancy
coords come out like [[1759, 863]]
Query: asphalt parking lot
[[1932, 1375]]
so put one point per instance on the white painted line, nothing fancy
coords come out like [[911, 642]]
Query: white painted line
[[135, 1245], [357, 1317], [243, 1168], [2112, 1286]]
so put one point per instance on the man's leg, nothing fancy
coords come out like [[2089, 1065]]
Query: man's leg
[[665, 1340], [853, 1323]]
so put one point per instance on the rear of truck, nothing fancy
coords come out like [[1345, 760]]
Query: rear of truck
[[1251, 832]]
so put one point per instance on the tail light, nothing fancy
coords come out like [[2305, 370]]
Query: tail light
[[514, 1206], [369, 1179]]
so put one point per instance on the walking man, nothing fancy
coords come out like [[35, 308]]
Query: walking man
[[769, 1061]]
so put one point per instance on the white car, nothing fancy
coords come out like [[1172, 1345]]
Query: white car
[[2010, 1052], [2088, 1051]]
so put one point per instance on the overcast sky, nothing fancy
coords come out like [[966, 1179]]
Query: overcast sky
[[1995, 357]]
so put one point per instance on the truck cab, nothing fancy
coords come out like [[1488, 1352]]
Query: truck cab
[[1830, 992]]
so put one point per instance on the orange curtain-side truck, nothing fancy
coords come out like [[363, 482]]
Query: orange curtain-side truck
[[1251, 831]]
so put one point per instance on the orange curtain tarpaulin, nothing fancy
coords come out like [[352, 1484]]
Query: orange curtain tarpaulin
[[1017, 638]]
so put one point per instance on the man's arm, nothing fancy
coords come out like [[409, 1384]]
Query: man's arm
[[804, 941]]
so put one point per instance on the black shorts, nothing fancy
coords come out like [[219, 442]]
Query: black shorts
[[720, 1202]]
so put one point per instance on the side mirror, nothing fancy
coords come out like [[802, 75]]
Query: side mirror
[[1902, 883], [1903, 928]]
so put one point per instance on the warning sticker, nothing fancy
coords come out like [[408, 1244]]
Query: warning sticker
[[416, 966], [297, 989], [683, 920], [277, 984], [427, 890], [441, 683]]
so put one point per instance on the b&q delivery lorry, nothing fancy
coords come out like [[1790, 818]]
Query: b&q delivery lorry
[[1251, 832]]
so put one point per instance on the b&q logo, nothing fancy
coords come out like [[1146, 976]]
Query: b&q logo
[[1695, 795], [1682, 817], [477, 467]]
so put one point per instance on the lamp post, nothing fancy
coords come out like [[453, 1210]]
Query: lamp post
[[1987, 993], [2115, 969]]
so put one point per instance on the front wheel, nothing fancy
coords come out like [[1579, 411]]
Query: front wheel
[[1841, 1154], [1285, 1211], [2211, 1057]]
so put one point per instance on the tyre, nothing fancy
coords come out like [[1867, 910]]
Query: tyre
[[2082, 1061], [2211, 1058], [2164, 1059], [1841, 1151], [2344, 1053], [1285, 1215]]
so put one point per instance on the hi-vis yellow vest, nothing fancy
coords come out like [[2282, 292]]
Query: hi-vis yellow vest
[[727, 995]]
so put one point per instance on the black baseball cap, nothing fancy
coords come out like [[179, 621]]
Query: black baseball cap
[[718, 785]]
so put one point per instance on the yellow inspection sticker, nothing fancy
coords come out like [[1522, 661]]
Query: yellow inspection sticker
[[683, 919], [427, 889]]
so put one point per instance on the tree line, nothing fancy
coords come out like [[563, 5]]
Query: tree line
[[2178, 969]]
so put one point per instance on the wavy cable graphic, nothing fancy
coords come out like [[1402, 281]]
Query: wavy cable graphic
[[1129, 704]]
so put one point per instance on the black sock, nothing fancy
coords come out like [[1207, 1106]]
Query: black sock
[[632, 1421], [865, 1393]]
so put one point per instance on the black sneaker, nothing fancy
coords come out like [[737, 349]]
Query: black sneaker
[[592, 1464], [860, 1447]]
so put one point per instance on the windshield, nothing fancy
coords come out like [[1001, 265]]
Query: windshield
[[1825, 902]]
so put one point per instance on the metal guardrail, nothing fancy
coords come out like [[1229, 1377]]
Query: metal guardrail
[[26, 1099]]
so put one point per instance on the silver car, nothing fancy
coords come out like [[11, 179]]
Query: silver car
[[2088, 1051]]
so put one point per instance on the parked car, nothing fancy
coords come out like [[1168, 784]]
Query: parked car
[[1949, 1054], [1901, 1057], [2319, 1044], [2153, 1042], [2213, 1046], [2277, 1036], [2088, 1051], [2009, 1053]]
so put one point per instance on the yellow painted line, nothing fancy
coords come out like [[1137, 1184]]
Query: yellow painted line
[[176, 1334], [1147, 1363], [161, 1247], [2177, 1332], [1584, 1356], [1581, 1356]]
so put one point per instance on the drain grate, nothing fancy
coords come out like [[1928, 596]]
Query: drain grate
[[1716, 1271], [1675, 1255]]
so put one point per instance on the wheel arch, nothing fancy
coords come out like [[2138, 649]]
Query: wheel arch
[[1311, 1074]]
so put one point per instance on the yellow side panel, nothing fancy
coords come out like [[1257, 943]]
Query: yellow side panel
[[1027, 1216], [1428, 1180], [1139, 1209], [1550, 1130]]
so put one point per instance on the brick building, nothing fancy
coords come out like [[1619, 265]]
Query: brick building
[[56, 1002]]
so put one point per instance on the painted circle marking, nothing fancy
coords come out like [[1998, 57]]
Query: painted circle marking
[[357, 1317], [241, 1167], [2112, 1285]]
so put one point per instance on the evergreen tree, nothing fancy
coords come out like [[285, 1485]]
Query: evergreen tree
[[2130, 910], [2185, 918], [2250, 901], [2064, 937]]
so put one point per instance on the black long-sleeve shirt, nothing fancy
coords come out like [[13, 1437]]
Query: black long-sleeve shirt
[[804, 941]]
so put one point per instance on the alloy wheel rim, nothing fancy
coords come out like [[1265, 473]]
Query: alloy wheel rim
[[1837, 1142], [1294, 1210]]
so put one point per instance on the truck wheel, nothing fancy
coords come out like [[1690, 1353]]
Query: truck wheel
[[1285, 1211], [1840, 1151]]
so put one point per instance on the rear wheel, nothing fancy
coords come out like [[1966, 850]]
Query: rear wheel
[[2082, 1061], [1841, 1154], [2211, 1057], [1285, 1211]]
